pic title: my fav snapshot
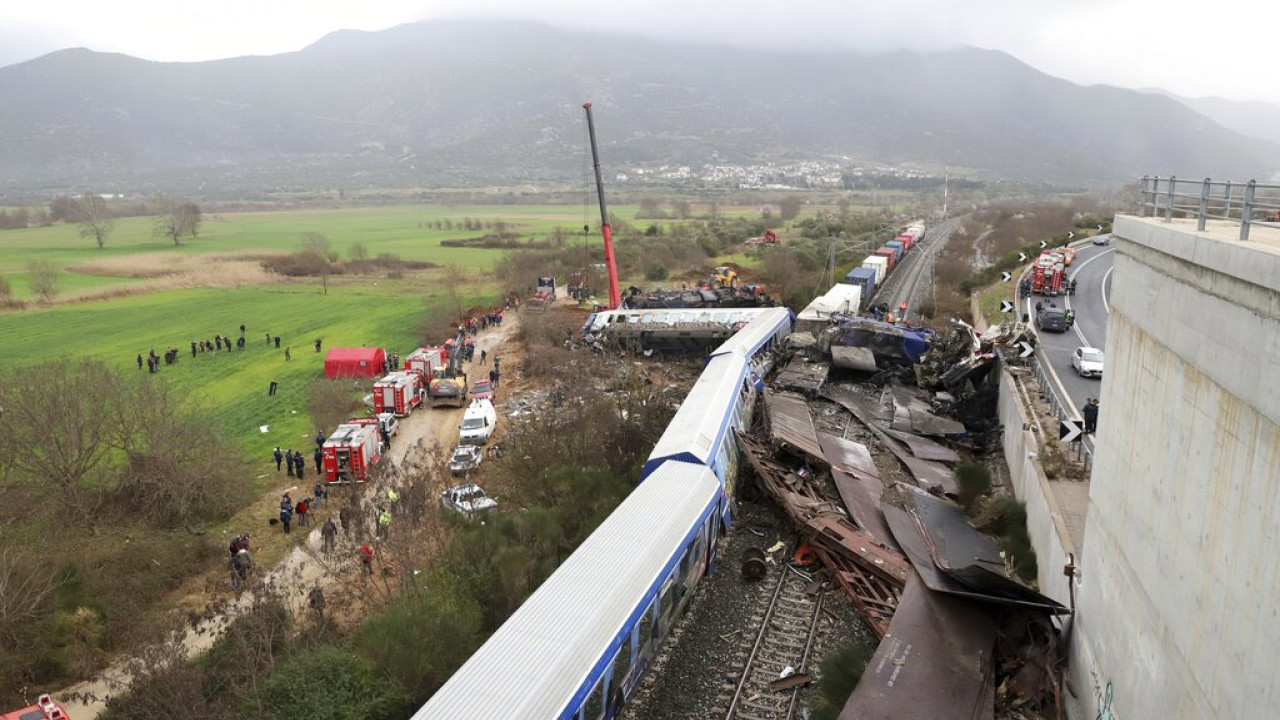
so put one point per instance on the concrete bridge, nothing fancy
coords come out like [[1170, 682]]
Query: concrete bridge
[[1177, 581]]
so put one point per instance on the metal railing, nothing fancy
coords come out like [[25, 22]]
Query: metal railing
[[1251, 203], [1083, 452]]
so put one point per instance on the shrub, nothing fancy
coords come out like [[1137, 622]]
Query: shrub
[[975, 481], [656, 273], [329, 683], [840, 673]]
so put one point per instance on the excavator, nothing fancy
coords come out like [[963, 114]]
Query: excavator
[[449, 386]]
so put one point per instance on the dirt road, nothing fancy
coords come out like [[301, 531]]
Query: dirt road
[[429, 434]]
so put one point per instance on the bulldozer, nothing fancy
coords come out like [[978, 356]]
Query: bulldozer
[[725, 277]]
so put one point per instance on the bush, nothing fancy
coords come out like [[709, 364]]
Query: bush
[[656, 273], [975, 481], [840, 673], [328, 683], [426, 634]]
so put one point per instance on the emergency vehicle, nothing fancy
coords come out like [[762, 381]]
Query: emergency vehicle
[[44, 709], [351, 452], [1046, 276], [424, 361], [398, 392]]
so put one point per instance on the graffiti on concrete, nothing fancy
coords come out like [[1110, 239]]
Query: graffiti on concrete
[[1104, 703]]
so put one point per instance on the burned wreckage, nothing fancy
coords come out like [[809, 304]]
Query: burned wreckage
[[961, 636]]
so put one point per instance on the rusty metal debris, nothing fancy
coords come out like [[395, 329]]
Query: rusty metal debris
[[790, 423], [924, 448], [928, 475], [802, 375], [935, 663], [790, 681]]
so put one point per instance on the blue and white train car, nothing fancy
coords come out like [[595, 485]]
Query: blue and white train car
[[701, 431], [760, 339], [576, 649]]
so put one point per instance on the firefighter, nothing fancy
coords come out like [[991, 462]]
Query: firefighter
[[1071, 318]]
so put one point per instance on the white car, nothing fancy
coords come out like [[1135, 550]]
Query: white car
[[467, 499], [389, 422], [1087, 361], [477, 423]]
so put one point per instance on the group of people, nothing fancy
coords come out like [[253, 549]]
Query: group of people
[[476, 323], [219, 343], [153, 361]]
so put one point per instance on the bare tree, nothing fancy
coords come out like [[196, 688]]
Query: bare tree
[[358, 251], [453, 279], [176, 218], [789, 207], [681, 208], [94, 218], [54, 430], [317, 244], [330, 402], [25, 585], [44, 279]]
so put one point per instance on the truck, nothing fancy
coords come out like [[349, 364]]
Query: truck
[[544, 295], [424, 361], [351, 451], [398, 392], [478, 423], [1046, 275], [468, 499], [44, 709], [768, 238], [449, 385]]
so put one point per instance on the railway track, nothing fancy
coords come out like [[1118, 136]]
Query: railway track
[[910, 281], [788, 627]]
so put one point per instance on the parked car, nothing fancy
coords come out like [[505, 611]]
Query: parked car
[[1087, 361], [465, 459], [477, 423], [482, 390], [389, 423], [1102, 239], [1052, 319], [468, 500]]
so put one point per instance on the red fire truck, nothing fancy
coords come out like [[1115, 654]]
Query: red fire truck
[[398, 392], [44, 709], [1046, 276], [425, 360], [351, 452]]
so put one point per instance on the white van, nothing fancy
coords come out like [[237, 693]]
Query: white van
[[477, 423]]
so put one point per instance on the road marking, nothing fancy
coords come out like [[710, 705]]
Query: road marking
[[1106, 305]]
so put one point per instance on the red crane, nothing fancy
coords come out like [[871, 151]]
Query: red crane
[[615, 293]]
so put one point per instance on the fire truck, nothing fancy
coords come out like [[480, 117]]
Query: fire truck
[[398, 392], [351, 452], [44, 709], [1046, 276], [424, 361]]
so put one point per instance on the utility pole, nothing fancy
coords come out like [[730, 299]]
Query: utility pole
[[946, 177]]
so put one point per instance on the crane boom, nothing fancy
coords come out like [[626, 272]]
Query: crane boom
[[615, 293]]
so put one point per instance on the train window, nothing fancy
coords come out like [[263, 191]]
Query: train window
[[593, 708], [646, 630], [621, 664], [667, 602]]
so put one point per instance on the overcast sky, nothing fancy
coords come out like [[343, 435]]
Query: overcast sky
[[1222, 48]]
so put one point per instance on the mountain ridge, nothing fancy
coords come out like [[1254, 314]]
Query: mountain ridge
[[479, 102]]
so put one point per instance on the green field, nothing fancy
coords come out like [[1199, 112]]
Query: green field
[[231, 384]]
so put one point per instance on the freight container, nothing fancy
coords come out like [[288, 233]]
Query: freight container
[[879, 264], [908, 241], [865, 278], [889, 254], [898, 245]]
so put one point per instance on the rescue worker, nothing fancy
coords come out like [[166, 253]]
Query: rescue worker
[[287, 355], [139, 361], [278, 456], [315, 599], [286, 512], [288, 461], [384, 524], [319, 461], [393, 499], [329, 535], [366, 559], [317, 344], [1071, 318], [299, 464], [277, 339], [302, 508]]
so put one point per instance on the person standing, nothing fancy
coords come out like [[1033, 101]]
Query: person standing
[[287, 355], [279, 456], [139, 361], [299, 464], [317, 344], [1090, 416], [329, 535], [318, 492], [366, 559], [277, 339], [288, 461], [286, 512], [302, 509], [384, 524]]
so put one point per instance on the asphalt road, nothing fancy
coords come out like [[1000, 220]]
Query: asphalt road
[[1092, 272]]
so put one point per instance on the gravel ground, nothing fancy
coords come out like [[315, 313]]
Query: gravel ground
[[695, 674]]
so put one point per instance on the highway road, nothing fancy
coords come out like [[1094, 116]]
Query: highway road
[[1091, 303]]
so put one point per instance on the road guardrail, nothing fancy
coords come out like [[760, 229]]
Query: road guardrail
[[1251, 203]]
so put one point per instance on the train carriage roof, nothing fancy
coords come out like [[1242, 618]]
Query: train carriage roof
[[703, 416], [541, 656], [757, 332]]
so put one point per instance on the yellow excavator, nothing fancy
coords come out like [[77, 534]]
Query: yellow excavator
[[726, 277], [449, 386]]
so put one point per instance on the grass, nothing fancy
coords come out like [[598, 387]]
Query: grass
[[234, 385]]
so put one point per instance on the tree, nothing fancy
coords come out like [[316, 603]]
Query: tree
[[317, 244], [681, 208], [789, 208], [54, 429], [330, 402], [44, 279], [358, 251], [95, 218], [453, 279], [176, 218]]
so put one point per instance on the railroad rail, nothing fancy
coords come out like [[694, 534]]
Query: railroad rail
[[906, 284], [785, 640]]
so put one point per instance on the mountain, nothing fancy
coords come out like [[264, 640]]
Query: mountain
[[1251, 117], [477, 102]]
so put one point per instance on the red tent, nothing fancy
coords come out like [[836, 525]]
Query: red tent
[[354, 362]]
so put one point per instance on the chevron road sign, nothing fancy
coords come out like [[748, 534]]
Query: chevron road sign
[[1022, 257], [1099, 228], [1027, 350], [1005, 277], [1006, 306], [1069, 430], [1043, 244], [1070, 235]]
